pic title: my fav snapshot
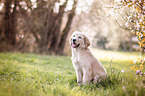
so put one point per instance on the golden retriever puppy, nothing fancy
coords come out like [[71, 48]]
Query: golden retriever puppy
[[87, 67]]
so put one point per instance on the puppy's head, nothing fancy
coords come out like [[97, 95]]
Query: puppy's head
[[79, 40]]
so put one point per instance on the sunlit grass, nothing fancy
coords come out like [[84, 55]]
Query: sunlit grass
[[115, 55], [41, 75]]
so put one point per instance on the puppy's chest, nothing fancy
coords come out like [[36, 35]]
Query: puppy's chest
[[77, 61]]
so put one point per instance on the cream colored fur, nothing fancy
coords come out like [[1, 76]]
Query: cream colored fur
[[86, 65]]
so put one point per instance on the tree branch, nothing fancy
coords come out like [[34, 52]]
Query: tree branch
[[27, 20]]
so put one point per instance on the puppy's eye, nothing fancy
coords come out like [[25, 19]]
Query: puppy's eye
[[80, 37]]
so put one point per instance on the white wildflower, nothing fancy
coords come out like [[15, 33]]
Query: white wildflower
[[122, 71], [58, 80]]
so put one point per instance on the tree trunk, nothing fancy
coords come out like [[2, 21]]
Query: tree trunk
[[48, 34], [14, 22], [124, 46], [65, 32], [10, 22], [7, 21], [57, 29]]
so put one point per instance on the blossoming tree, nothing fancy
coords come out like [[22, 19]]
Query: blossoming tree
[[130, 15]]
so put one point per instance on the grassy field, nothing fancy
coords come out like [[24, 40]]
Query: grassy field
[[42, 75]]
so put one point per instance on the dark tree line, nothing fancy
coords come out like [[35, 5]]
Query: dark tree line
[[48, 28]]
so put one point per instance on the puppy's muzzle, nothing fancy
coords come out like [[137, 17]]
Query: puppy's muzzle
[[74, 41], [74, 44]]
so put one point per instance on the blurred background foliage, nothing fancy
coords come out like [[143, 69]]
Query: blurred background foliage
[[44, 26]]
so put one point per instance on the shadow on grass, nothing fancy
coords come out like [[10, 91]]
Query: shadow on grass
[[111, 81]]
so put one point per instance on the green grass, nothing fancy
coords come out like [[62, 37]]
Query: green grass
[[42, 75]]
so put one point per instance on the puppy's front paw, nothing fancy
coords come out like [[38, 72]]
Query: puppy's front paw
[[79, 84]]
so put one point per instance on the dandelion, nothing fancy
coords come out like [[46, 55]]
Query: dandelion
[[143, 40], [141, 66], [138, 58], [132, 68], [136, 68], [140, 43], [131, 61]]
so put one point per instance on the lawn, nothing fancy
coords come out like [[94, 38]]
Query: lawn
[[43, 75]]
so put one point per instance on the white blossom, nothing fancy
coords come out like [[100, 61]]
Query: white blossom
[[134, 61], [133, 0], [21, 36], [137, 25], [140, 1], [134, 15], [144, 7], [127, 24], [140, 20], [141, 35]]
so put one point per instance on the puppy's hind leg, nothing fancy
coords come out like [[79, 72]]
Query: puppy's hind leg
[[87, 76], [98, 78]]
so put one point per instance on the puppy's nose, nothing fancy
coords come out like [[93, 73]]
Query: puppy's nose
[[74, 40]]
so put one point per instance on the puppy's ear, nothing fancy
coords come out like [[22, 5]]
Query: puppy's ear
[[86, 41]]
